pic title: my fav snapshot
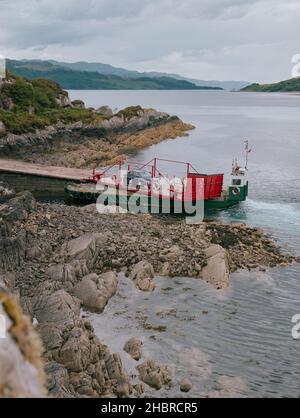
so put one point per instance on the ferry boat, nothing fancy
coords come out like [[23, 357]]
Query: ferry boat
[[146, 187]]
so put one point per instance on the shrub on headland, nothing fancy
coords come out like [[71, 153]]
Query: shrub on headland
[[27, 105]]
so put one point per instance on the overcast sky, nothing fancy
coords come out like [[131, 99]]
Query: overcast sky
[[252, 40]]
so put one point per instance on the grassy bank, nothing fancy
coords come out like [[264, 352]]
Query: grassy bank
[[29, 105]]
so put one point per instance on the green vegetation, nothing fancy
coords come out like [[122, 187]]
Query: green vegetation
[[92, 80], [29, 105], [38, 94], [283, 86], [18, 123]]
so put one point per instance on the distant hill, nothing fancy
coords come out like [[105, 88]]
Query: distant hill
[[290, 85], [225, 85], [79, 78], [121, 72]]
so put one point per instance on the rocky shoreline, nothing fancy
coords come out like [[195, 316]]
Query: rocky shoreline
[[56, 260], [99, 143], [39, 122]]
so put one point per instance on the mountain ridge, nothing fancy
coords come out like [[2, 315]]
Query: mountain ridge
[[107, 69], [110, 69], [72, 79]]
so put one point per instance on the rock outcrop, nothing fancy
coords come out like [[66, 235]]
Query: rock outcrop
[[6, 192], [154, 375], [216, 270], [77, 364], [105, 110], [134, 347], [142, 275], [13, 239], [185, 385], [84, 248], [94, 291], [78, 104], [78, 132], [71, 344]]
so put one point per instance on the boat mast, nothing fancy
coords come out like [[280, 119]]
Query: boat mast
[[247, 151]]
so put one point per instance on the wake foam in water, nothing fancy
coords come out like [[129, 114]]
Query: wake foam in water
[[266, 214]]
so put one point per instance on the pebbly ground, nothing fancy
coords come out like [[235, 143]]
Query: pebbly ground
[[56, 259]]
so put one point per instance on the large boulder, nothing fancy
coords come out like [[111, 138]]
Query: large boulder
[[58, 382], [63, 100], [94, 291], [85, 247], [78, 104], [18, 208], [142, 275], [68, 274], [185, 385], [75, 352], [154, 375], [216, 272], [71, 345], [134, 348], [104, 110], [112, 124], [59, 308], [115, 371]]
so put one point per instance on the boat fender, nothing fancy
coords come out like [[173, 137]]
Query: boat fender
[[236, 191]]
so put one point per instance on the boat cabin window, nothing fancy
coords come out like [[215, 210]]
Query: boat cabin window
[[236, 182]]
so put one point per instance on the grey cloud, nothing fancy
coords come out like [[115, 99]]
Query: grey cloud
[[248, 39]]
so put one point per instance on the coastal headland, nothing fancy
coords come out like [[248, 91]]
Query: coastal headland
[[39, 123]]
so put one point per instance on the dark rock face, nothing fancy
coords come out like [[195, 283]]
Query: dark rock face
[[6, 103], [13, 240], [6, 192], [77, 364], [18, 208]]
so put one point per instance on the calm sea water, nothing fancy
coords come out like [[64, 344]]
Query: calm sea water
[[244, 331]]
